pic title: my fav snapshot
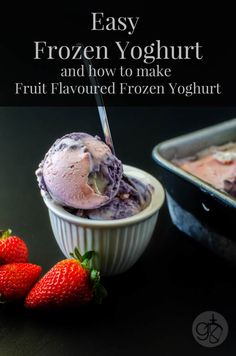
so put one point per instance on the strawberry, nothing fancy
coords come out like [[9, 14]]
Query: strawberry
[[16, 279], [12, 248], [68, 283]]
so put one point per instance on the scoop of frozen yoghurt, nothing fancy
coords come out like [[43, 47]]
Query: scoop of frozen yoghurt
[[79, 171]]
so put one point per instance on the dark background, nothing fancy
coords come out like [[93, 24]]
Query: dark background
[[151, 307]]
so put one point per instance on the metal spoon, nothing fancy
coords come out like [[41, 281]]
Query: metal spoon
[[100, 105], [102, 113]]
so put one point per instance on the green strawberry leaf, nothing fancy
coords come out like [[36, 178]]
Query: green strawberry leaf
[[94, 276], [84, 260], [88, 255], [99, 293], [77, 254], [5, 234]]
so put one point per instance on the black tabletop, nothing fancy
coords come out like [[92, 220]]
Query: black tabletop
[[150, 308]]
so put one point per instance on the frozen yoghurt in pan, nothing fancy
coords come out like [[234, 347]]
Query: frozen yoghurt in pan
[[215, 165], [81, 173]]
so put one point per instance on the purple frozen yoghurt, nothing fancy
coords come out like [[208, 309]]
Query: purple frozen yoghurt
[[80, 171], [133, 196]]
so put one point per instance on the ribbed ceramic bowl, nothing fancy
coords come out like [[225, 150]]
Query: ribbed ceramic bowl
[[118, 243]]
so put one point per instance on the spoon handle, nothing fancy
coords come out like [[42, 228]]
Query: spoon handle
[[100, 105]]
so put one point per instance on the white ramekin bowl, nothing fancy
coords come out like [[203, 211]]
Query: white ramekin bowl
[[118, 243]]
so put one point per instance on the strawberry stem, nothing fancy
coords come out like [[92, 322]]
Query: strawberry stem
[[5, 234], [99, 291]]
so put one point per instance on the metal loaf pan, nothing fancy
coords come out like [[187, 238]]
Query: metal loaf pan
[[196, 208]]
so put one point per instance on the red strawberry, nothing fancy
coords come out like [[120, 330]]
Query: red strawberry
[[12, 248], [69, 283], [16, 279]]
